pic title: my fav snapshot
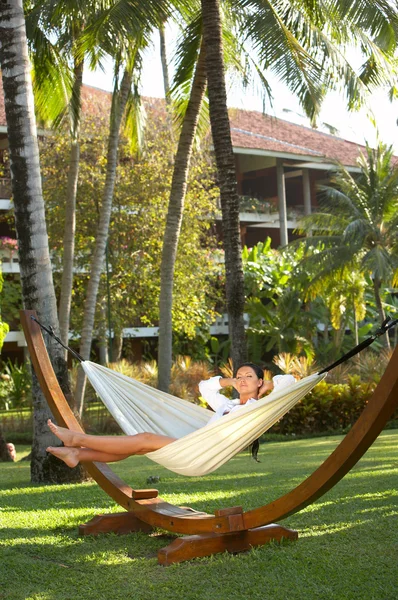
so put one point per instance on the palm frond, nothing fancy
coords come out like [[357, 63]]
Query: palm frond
[[187, 52], [52, 74]]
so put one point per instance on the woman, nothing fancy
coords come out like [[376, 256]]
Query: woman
[[250, 384], [81, 447]]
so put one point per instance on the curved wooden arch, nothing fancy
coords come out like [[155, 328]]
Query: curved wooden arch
[[149, 509]]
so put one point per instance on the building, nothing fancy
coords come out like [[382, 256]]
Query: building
[[278, 166]]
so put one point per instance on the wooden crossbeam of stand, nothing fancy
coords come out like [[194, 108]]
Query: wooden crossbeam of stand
[[229, 529], [195, 546]]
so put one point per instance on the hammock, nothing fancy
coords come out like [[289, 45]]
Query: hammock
[[200, 448]]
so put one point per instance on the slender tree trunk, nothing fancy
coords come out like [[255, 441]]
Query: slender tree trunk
[[165, 68], [174, 220], [70, 210], [357, 358], [118, 107], [34, 257], [225, 161], [166, 85], [102, 336], [338, 335], [117, 346], [356, 334], [379, 306]]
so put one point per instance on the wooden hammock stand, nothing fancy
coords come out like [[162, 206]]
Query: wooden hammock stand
[[229, 529]]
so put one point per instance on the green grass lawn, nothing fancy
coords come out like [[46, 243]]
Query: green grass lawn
[[347, 546]]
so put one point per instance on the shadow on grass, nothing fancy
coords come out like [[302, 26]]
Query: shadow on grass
[[346, 547], [352, 503], [109, 566]]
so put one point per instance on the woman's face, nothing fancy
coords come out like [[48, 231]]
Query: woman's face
[[247, 381]]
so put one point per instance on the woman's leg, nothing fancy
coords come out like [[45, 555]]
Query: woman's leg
[[141, 443], [72, 456]]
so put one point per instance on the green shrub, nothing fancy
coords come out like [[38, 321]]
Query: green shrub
[[328, 407], [15, 385]]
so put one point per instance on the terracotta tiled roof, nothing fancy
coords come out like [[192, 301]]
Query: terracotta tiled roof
[[250, 130], [95, 102], [255, 130]]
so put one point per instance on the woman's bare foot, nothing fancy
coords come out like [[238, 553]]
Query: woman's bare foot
[[70, 456], [69, 438]]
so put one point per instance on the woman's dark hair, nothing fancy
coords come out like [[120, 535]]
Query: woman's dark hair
[[255, 446], [258, 370]]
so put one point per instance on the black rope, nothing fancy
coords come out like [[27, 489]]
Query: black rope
[[50, 331], [385, 326]]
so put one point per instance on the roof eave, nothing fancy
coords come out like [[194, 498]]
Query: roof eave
[[305, 161]]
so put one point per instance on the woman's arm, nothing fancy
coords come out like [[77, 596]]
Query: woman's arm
[[266, 387], [210, 390], [227, 381]]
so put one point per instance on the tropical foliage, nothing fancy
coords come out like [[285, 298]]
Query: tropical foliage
[[275, 302], [15, 385], [137, 223], [329, 407], [291, 311], [356, 227], [4, 327], [34, 258]]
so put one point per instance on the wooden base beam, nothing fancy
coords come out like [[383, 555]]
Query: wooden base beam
[[194, 546], [120, 523]]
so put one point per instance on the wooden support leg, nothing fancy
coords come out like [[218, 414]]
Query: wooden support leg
[[120, 523], [193, 546]]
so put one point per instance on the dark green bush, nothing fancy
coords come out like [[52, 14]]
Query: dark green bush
[[328, 407]]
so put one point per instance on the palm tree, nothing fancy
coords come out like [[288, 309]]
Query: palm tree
[[191, 50], [174, 219], [114, 28], [344, 295], [221, 135], [194, 115], [119, 103], [81, 31], [301, 45], [34, 259], [358, 222], [165, 66], [66, 24], [4, 450]]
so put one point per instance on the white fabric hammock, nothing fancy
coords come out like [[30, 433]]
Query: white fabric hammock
[[200, 448]]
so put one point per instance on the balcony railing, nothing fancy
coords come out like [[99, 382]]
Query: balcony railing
[[5, 188], [267, 208], [9, 260]]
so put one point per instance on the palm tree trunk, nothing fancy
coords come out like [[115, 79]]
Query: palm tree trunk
[[165, 68], [103, 349], [380, 309], [70, 210], [117, 346], [356, 334], [166, 85], [357, 359], [34, 257], [225, 161], [118, 107], [174, 220]]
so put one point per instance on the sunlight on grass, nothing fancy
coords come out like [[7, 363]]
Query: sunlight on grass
[[346, 548]]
